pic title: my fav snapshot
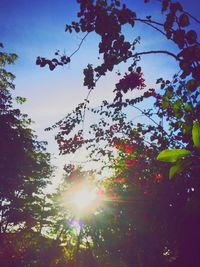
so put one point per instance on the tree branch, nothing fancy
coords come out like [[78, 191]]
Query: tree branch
[[156, 52], [79, 45], [149, 20], [157, 29], [192, 17]]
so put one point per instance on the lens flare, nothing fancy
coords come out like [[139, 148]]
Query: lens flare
[[84, 198]]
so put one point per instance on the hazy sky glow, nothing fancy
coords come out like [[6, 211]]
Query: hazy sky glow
[[36, 28]]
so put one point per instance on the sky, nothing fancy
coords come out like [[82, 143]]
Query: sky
[[32, 28]]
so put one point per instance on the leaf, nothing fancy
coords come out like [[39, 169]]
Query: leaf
[[191, 36], [192, 85], [186, 128], [188, 107], [196, 134], [20, 100], [165, 103], [179, 38], [165, 4], [172, 155], [169, 92], [175, 169], [184, 20], [179, 166], [177, 108]]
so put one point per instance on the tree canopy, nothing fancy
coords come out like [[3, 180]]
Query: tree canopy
[[142, 207], [25, 171]]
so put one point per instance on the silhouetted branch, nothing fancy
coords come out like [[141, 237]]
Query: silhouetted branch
[[82, 40], [156, 52], [192, 17], [157, 29]]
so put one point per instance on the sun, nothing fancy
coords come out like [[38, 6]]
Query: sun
[[83, 199]]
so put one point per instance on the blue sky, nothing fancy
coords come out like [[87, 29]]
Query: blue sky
[[34, 28]]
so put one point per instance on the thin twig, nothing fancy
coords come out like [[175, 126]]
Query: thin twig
[[146, 115], [149, 20], [87, 100], [79, 45], [150, 23], [85, 106], [157, 29]]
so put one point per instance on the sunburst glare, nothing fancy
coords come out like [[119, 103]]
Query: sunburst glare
[[83, 199]]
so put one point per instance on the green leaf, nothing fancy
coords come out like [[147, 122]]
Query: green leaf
[[172, 155], [177, 104], [177, 108], [175, 169], [196, 134], [186, 128], [169, 92], [20, 100], [179, 166], [188, 107], [165, 103]]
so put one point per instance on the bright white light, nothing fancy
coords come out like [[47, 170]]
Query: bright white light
[[84, 198]]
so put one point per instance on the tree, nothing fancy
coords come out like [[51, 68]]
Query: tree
[[115, 49], [25, 170], [155, 222]]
